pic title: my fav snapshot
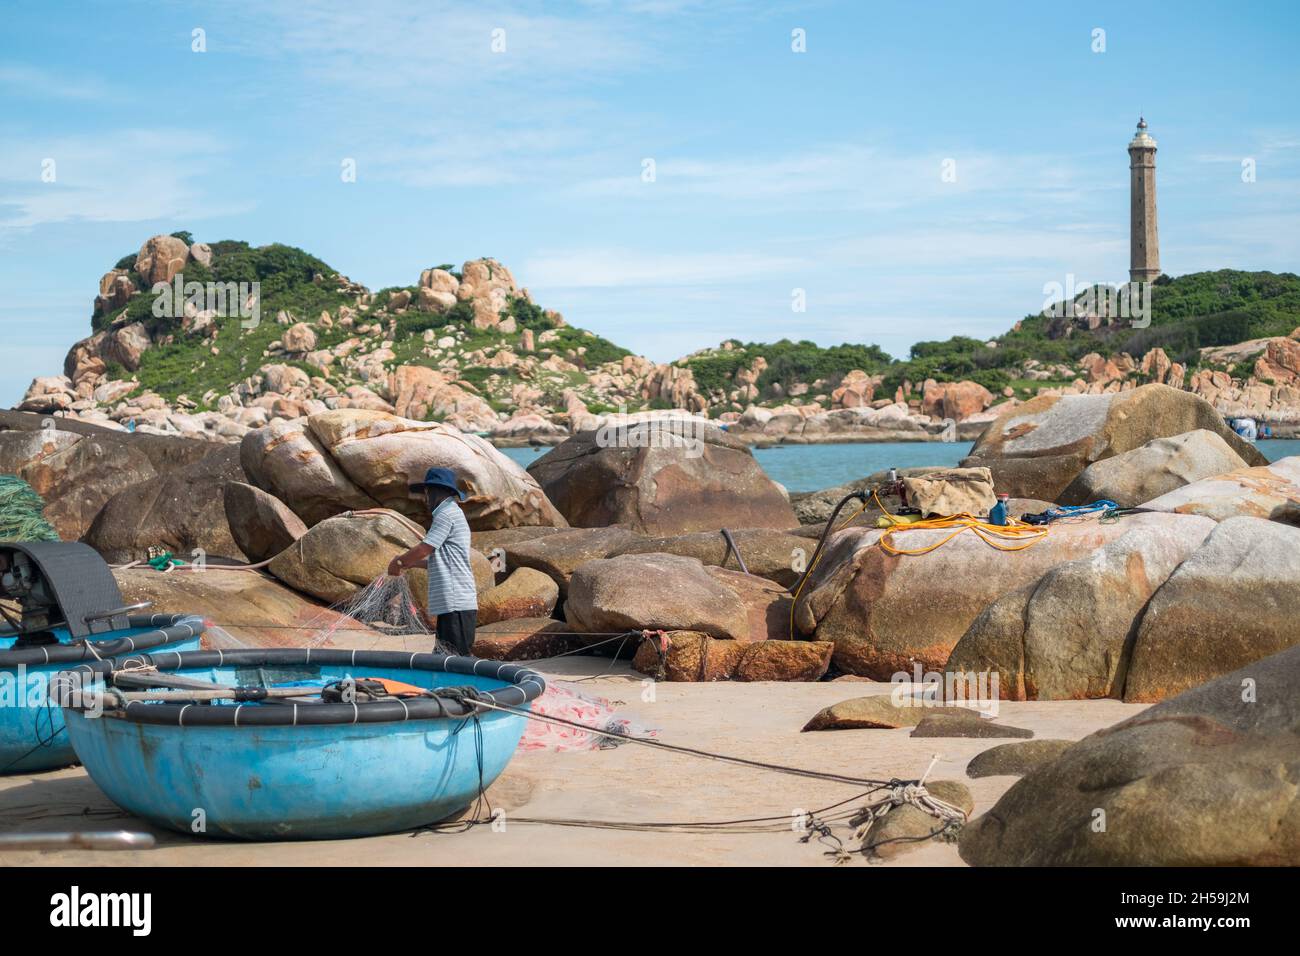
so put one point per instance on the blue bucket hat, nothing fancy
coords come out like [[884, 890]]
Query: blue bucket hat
[[439, 478]]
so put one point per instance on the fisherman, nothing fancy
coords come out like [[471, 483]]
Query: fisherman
[[453, 599]]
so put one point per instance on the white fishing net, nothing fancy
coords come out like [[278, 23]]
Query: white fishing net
[[385, 605]]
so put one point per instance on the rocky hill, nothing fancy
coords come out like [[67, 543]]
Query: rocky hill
[[212, 340]]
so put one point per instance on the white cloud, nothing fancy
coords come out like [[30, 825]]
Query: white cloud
[[24, 81], [605, 268], [120, 176]]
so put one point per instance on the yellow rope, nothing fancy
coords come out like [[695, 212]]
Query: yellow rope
[[1027, 535]]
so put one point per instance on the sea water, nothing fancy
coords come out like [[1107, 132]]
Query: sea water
[[812, 467]]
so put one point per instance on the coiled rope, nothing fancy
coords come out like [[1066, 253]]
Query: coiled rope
[[1015, 535]]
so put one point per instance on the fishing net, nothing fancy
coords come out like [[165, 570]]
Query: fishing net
[[22, 512], [219, 639], [385, 605], [566, 702]]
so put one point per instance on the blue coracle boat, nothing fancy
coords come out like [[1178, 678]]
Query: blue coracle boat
[[69, 611], [272, 743]]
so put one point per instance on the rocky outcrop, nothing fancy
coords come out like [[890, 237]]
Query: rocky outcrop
[[340, 555], [77, 467], [776, 660], [1069, 636], [904, 828], [422, 393], [261, 524], [1038, 449], [559, 555], [252, 609], [1158, 467], [960, 722], [525, 593], [286, 459], [661, 478], [656, 592], [694, 656], [767, 553], [954, 400], [1232, 602], [355, 459], [1136, 794], [182, 512], [885, 612], [160, 258], [688, 657], [1268, 491]]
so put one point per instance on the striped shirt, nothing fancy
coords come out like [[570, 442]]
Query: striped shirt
[[451, 581]]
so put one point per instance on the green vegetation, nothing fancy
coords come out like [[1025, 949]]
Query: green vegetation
[[1188, 313], [787, 363]]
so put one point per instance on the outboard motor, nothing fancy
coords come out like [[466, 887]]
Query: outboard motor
[[59, 583]]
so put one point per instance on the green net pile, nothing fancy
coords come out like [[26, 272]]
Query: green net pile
[[22, 512]]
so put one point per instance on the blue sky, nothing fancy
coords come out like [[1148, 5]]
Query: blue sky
[[774, 170]]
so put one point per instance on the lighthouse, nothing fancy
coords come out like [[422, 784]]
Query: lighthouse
[[1144, 240]]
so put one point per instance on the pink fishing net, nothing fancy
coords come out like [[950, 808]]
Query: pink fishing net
[[563, 701]]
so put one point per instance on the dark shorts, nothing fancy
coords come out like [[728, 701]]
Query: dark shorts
[[456, 630]]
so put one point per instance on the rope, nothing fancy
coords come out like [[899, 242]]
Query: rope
[[817, 555], [992, 534], [472, 700], [1102, 507]]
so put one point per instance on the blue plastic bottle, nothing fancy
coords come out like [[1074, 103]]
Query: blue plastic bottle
[[998, 513]]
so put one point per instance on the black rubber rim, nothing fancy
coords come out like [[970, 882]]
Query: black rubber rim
[[525, 685], [169, 629]]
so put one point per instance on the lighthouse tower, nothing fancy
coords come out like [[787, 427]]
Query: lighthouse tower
[[1144, 241]]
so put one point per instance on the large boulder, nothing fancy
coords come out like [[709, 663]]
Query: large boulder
[[1039, 448], [160, 258], [339, 556], [383, 453], [656, 592], [688, 657], [77, 467], [286, 459], [261, 524], [559, 555], [323, 568], [1159, 466], [661, 478], [886, 612], [1137, 794], [1235, 600], [182, 512], [1268, 491], [783, 661], [242, 607], [766, 604], [1070, 635], [525, 593], [767, 553]]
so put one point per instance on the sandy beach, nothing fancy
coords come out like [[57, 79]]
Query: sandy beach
[[630, 783]]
